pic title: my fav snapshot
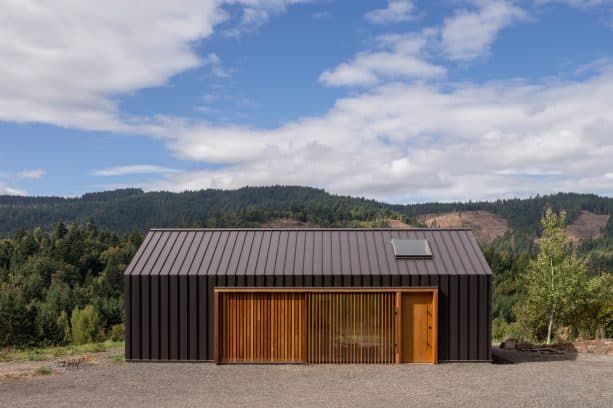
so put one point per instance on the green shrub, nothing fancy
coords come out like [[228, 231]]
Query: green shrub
[[44, 370], [499, 329], [94, 347], [35, 355], [118, 332], [85, 325], [117, 358], [64, 326], [514, 330]]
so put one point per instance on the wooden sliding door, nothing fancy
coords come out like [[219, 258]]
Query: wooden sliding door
[[351, 327], [325, 325], [263, 327]]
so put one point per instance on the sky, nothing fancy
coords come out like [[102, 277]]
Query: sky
[[399, 100]]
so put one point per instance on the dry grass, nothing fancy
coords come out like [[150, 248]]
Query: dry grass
[[393, 223], [43, 370], [49, 353], [587, 225], [485, 225]]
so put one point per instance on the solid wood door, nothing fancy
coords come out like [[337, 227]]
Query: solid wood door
[[417, 327], [263, 327]]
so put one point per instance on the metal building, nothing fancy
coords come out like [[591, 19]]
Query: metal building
[[308, 295]]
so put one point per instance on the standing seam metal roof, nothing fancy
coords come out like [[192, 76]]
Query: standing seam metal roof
[[285, 252]]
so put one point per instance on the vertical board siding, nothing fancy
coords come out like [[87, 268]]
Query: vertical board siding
[[483, 319], [173, 317], [473, 317], [463, 319], [263, 327], [145, 317], [443, 318], [183, 317], [351, 327], [156, 334], [193, 313], [128, 319], [154, 300], [136, 318], [453, 340], [488, 332]]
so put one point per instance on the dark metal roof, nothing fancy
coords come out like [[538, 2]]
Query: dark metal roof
[[304, 252]]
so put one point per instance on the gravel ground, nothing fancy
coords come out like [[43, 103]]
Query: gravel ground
[[534, 381]]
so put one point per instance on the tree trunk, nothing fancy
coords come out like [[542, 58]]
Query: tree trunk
[[550, 327], [553, 311]]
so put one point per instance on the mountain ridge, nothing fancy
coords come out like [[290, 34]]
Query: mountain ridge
[[125, 210]]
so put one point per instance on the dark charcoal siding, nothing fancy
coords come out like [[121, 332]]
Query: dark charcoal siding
[[171, 317]]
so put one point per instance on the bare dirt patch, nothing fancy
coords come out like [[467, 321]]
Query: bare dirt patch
[[287, 223], [485, 225], [394, 223], [587, 225], [10, 370], [20, 369]]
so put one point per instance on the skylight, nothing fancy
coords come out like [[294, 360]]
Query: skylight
[[411, 248]]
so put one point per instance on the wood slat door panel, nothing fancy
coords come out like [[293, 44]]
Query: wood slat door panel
[[263, 327], [351, 327]]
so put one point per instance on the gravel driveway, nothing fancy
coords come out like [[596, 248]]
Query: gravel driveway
[[585, 381]]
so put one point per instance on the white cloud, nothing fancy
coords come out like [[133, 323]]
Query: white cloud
[[470, 33], [65, 60], [398, 56], [215, 63], [256, 13], [528, 172], [395, 141], [31, 174], [403, 142], [466, 35], [583, 4], [64, 63], [6, 190], [134, 169], [396, 11]]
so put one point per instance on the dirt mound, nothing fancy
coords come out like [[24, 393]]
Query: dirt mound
[[485, 225], [601, 346], [587, 225]]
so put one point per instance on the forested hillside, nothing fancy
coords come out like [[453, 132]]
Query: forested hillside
[[61, 259], [125, 210]]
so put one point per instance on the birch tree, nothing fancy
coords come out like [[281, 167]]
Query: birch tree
[[553, 280]]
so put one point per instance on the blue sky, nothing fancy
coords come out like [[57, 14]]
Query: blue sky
[[396, 100]]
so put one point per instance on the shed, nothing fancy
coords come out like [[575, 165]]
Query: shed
[[308, 296]]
